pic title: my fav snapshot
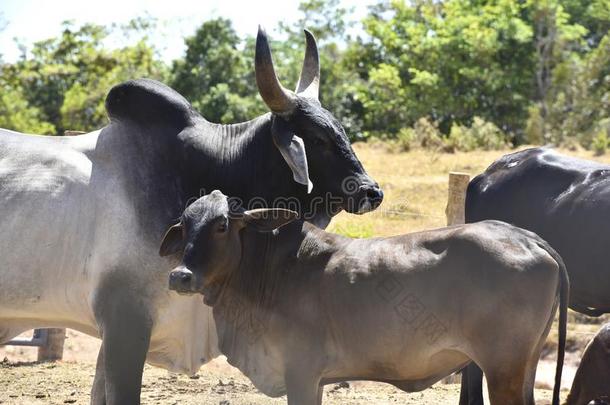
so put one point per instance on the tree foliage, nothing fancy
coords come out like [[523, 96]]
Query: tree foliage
[[453, 74], [63, 81], [216, 74]]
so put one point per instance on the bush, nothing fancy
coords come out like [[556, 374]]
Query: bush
[[427, 134], [459, 139], [487, 135], [534, 127], [600, 143], [480, 135], [406, 139], [424, 134]]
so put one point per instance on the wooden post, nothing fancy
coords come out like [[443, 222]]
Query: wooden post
[[456, 199], [455, 212], [54, 347]]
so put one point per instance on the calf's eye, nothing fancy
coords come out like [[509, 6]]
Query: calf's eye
[[222, 227]]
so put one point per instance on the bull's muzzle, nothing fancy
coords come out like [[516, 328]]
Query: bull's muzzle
[[372, 196], [363, 198], [182, 281]]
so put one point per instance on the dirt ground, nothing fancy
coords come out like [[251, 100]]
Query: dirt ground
[[25, 382]]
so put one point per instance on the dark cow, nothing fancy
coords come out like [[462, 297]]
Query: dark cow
[[300, 307], [592, 380], [82, 216], [564, 200]]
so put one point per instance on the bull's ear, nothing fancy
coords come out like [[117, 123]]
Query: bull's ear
[[172, 241], [268, 219], [292, 149]]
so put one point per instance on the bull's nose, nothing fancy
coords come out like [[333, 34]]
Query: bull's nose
[[373, 193]]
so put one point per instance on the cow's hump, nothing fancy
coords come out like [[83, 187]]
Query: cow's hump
[[148, 102], [518, 159]]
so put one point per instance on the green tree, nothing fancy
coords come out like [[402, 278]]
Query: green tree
[[479, 72], [593, 15], [16, 114], [455, 59], [83, 103], [67, 78], [557, 43], [216, 75], [580, 106], [340, 85], [383, 97]]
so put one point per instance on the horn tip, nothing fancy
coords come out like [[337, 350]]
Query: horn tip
[[308, 33], [310, 39]]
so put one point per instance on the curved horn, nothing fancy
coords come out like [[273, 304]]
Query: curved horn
[[309, 82], [278, 99]]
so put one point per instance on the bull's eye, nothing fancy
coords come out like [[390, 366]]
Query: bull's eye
[[317, 141]]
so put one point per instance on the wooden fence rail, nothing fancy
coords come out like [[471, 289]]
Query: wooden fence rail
[[456, 198], [50, 343], [455, 212]]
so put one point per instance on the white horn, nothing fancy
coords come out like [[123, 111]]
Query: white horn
[[309, 81]]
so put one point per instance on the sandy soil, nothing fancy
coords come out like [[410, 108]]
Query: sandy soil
[[25, 382]]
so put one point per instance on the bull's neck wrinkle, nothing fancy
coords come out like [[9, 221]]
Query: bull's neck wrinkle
[[236, 142]]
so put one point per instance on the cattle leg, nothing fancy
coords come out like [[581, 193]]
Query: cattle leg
[[125, 341], [98, 391], [125, 328], [303, 389], [471, 391], [464, 386], [508, 386]]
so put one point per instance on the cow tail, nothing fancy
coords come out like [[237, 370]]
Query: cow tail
[[564, 293]]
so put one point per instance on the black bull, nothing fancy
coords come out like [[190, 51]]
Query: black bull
[[566, 201]]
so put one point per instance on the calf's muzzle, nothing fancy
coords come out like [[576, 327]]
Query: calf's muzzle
[[182, 281]]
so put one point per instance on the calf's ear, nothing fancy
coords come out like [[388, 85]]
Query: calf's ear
[[268, 219], [292, 149], [172, 241]]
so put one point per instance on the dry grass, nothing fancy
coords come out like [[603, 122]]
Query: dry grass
[[415, 187]]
